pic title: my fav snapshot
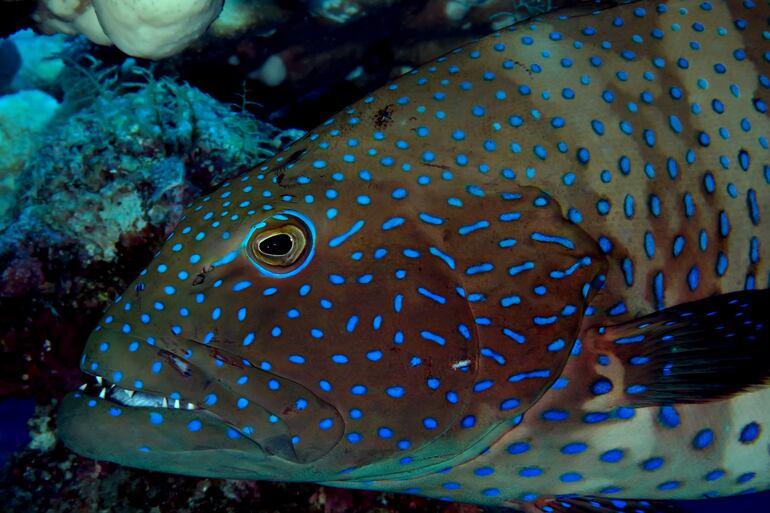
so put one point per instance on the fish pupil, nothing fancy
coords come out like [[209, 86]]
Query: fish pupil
[[276, 245]]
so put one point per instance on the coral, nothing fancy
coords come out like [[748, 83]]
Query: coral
[[117, 166], [94, 202], [23, 117], [39, 63], [41, 429]]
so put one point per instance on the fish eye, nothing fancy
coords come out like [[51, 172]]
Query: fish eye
[[277, 245], [281, 245]]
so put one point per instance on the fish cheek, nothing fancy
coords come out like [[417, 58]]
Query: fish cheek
[[527, 275], [285, 417], [381, 352]]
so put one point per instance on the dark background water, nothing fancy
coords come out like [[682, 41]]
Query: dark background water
[[14, 435]]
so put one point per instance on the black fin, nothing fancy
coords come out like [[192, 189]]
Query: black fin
[[695, 352], [606, 505]]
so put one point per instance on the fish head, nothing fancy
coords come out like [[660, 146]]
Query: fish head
[[313, 319], [275, 327]]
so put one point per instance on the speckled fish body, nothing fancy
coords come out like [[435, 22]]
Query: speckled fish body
[[468, 249]]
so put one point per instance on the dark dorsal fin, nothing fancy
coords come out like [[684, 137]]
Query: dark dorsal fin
[[605, 505], [695, 352]]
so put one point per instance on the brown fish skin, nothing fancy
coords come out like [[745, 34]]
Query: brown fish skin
[[544, 189]]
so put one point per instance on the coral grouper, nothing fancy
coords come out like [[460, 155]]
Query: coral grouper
[[530, 273]]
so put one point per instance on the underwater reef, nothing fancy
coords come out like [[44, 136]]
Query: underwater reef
[[99, 153]]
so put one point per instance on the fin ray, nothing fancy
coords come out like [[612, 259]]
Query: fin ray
[[696, 352]]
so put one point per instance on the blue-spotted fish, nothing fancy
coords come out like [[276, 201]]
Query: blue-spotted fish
[[530, 273]]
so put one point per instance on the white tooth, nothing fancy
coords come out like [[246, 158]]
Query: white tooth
[[82, 387], [190, 406], [98, 380], [103, 393], [164, 403], [177, 404], [130, 393]]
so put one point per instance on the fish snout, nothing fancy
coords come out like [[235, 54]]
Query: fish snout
[[178, 376]]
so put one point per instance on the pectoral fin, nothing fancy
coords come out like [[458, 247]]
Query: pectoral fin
[[695, 352]]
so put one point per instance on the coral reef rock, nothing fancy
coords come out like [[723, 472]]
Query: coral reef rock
[[23, 117], [30, 61]]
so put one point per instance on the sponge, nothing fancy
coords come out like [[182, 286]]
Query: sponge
[[155, 28], [71, 17], [152, 29]]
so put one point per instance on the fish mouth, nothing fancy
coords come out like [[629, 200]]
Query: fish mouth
[[160, 424], [99, 390], [88, 425], [190, 398], [100, 387], [157, 432]]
